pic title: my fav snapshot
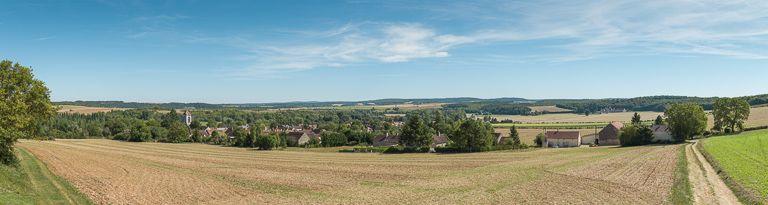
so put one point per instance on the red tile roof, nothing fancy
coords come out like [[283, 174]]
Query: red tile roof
[[562, 134]]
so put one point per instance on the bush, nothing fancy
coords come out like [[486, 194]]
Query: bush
[[267, 142], [539, 140], [635, 135], [401, 149], [333, 139]]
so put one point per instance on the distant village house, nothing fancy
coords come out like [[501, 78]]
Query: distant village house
[[562, 139]]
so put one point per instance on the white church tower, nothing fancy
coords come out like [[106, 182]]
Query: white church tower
[[187, 118]]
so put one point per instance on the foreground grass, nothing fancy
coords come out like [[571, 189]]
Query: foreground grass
[[682, 193], [742, 161], [31, 183]]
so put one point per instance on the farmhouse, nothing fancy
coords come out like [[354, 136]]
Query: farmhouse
[[590, 139], [610, 134], [498, 138], [386, 140], [301, 138], [440, 140], [562, 139], [661, 133]]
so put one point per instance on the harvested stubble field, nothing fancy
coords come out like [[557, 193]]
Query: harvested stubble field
[[577, 118], [113, 172], [85, 110]]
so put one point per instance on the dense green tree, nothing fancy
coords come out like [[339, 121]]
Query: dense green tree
[[636, 119], [333, 139], [267, 142], [658, 121], [24, 103], [473, 135], [514, 136], [539, 140], [686, 120], [440, 124], [635, 135], [415, 133], [178, 132], [730, 114]]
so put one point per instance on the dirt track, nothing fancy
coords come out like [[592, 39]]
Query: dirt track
[[707, 186]]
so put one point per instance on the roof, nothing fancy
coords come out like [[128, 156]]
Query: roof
[[660, 128], [295, 136], [617, 125], [386, 140], [439, 139], [563, 134]]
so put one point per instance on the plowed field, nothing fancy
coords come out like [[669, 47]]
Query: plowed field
[[112, 172]]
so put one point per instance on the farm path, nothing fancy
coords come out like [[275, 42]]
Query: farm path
[[708, 188]]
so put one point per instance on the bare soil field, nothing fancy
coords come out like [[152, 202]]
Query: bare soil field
[[112, 172], [85, 110], [577, 118]]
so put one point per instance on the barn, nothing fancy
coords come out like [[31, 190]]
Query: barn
[[610, 134], [661, 133], [562, 139]]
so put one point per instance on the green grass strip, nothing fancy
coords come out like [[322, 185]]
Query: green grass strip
[[681, 193]]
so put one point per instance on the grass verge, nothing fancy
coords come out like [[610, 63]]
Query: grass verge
[[682, 193], [30, 182]]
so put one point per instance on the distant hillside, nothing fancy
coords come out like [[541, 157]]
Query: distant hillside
[[470, 105]]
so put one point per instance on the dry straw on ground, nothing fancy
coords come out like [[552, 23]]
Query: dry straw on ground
[[112, 172]]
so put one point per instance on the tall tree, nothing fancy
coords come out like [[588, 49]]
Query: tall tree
[[24, 102], [514, 136], [730, 114], [473, 135], [686, 120], [416, 133], [658, 121], [636, 119]]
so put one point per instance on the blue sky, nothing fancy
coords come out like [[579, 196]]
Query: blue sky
[[261, 51]]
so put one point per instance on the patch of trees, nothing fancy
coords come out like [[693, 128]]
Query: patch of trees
[[492, 108]]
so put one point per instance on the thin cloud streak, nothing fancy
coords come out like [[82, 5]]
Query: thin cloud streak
[[577, 30]]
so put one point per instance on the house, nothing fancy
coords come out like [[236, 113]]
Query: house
[[440, 140], [386, 140], [611, 110], [661, 133], [301, 138], [589, 139], [609, 135], [499, 138], [562, 139]]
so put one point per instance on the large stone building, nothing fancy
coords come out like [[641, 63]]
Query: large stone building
[[610, 134], [562, 139]]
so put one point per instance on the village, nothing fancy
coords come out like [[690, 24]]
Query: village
[[303, 135]]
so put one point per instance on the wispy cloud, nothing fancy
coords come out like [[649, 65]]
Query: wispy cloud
[[351, 44], [45, 38], [163, 24], [568, 30]]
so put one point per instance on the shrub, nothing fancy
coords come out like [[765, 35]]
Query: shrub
[[267, 142], [635, 135], [539, 140], [401, 149]]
